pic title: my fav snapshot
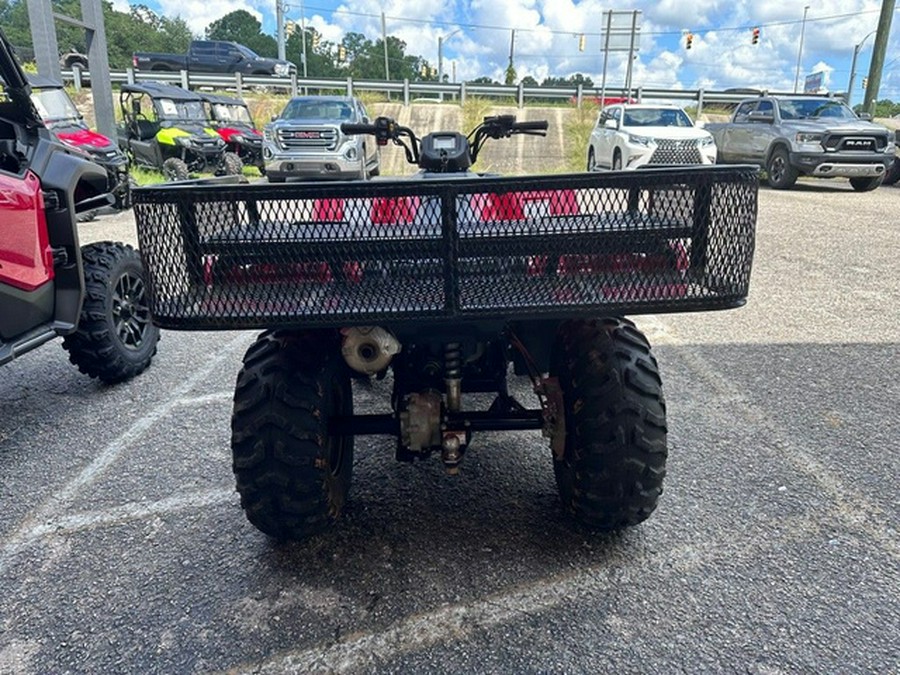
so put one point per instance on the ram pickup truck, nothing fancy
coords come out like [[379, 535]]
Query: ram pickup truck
[[805, 136], [214, 56]]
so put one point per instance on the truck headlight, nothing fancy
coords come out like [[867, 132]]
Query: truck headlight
[[639, 140], [351, 153], [807, 137]]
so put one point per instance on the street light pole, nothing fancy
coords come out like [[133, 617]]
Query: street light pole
[[800, 50], [441, 39], [856, 49]]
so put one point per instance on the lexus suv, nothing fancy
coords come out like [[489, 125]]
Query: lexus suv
[[305, 141], [631, 136]]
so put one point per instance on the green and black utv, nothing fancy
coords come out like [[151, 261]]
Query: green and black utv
[[165, 128]]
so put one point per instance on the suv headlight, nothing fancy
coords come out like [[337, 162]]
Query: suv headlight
[[282, 69], [808, 137], [706, 141], [640, 140]]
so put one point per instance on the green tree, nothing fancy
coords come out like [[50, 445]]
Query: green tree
[[529, 81], [242, 27]]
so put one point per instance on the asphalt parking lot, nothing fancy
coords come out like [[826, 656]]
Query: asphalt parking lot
[[123, 547]]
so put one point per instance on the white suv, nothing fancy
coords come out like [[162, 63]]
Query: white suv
[[630, 136]]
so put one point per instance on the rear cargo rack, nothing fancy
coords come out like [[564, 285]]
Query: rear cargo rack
[[445, 249]]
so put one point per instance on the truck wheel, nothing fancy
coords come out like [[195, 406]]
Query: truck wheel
[[232, 164], [866, 184], [781, 174], [893, 173], [612, 471], [175, 169], [115, 339], [293, 477]]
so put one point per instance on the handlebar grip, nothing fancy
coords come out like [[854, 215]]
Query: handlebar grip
[[539, 125], [350, 129]]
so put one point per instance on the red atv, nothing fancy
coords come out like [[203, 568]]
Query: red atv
[[62, 117], [94, 296], [441, 282], [231, 119]]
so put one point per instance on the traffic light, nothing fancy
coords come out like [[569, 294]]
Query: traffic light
[[581, 42], [689, 38], [865, 82], [315, 39], [342, 53], [289, 27], [755, 38]]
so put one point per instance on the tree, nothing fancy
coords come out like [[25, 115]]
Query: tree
[[242, 27], [529, 81]]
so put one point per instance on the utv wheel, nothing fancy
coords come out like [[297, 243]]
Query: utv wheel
[[293, 477], [115, 339], [175, 169], [781, 175], [612, 471], [866, 184], [232, 164]]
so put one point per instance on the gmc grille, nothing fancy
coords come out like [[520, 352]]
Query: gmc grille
[[676, 152], [298, 138]]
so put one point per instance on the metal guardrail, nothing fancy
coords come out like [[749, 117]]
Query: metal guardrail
[[410, 91]]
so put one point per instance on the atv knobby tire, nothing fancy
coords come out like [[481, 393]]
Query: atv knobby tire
[[612, 471], [115, 339], [231, 164], [175, 169], [293, 477]]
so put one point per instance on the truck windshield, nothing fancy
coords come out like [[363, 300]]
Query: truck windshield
[[54, 105], [656, 117], [181, 110], [809, 108], [317, 110]]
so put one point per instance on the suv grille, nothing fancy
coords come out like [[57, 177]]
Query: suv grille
[[676, 152], [855, 143], [298, 138]]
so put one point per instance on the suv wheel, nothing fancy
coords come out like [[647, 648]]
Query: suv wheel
[[115, 339]]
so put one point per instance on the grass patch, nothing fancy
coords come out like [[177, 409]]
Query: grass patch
[[578, 127], [145, 176]]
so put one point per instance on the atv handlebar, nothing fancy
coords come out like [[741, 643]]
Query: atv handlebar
[[540, 125]]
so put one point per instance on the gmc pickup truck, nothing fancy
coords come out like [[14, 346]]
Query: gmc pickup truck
[[214, 56], [805, 136]]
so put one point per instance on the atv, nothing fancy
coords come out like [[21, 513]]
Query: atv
[[62, 118], [94, 296], [441, 282], [165, 128], [230, 117]]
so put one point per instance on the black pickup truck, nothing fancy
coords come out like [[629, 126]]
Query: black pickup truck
[[214, 56]]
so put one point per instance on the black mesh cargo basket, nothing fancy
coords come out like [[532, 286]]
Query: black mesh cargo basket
[[387, 251]]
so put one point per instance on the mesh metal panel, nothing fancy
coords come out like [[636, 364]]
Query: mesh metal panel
[[331, 254]]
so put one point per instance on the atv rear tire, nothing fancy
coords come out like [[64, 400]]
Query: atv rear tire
[[115, 339], [293, 477], [232, 164], [615, 415], [175, 169]]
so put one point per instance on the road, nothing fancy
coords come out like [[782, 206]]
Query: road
[[123, 547]]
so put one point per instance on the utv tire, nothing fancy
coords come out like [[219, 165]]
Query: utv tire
[[781, 175], [232, 164], [866, 184], [293, 477], [115, 339], [175, 169], [612, 471]]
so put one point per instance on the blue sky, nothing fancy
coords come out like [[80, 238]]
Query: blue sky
[[548, 37]]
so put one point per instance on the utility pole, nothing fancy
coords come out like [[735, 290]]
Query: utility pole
[[279, 31], [605, 57], [511, 70], [877, 64], [856, 49], [387, 68], [628, 71], [800, 50], [303, 56]]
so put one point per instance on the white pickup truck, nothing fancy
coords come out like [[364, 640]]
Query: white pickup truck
[[805, 136]]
